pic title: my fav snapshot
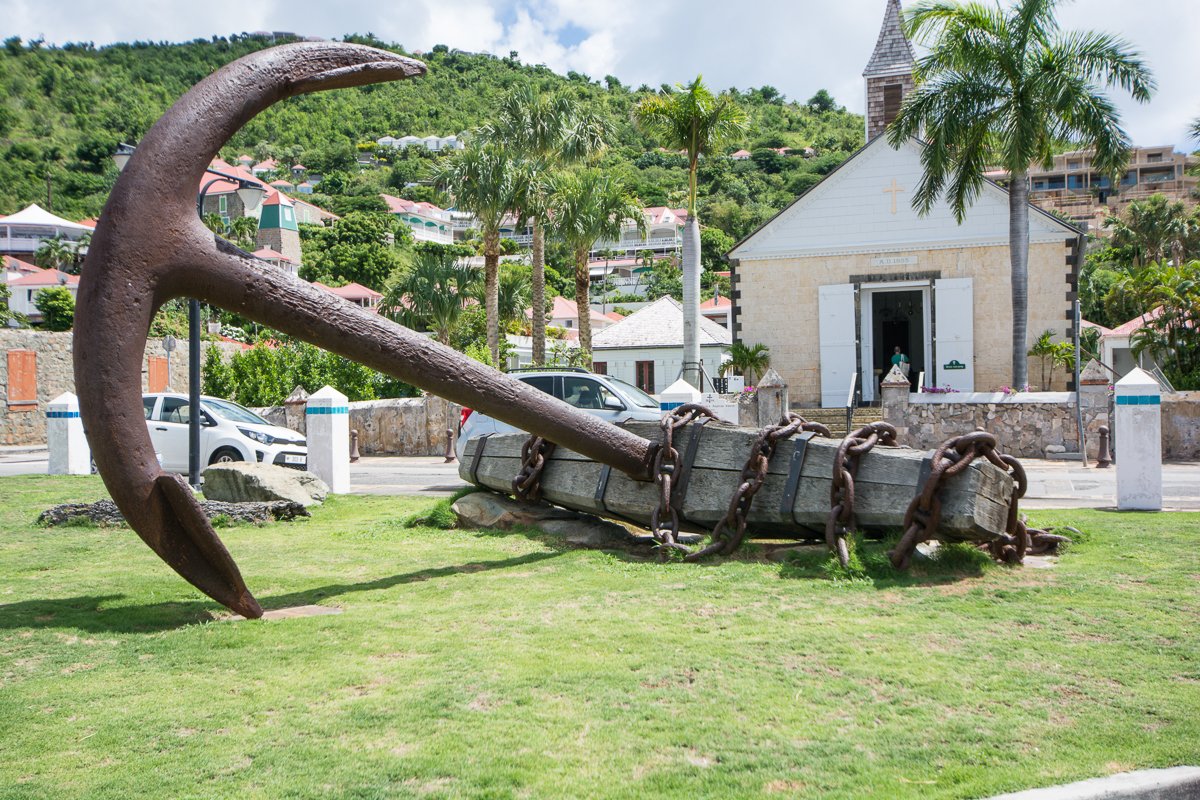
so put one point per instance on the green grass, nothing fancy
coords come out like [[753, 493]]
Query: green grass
[[473, 664]]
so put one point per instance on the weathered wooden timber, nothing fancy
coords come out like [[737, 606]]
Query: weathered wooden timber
[[793, 502]]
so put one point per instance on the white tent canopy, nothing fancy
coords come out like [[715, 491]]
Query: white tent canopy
[[36, 216]]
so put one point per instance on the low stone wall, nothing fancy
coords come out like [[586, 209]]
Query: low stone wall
[[1181, 426], [25, 423], [1034, 424], [409, 426], [1029, 427]]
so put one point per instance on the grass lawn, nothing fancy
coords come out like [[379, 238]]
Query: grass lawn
[[475, 664]]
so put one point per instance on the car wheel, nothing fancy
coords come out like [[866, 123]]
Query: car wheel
[[225, 455]]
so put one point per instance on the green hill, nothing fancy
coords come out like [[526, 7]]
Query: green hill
[[64, 109]]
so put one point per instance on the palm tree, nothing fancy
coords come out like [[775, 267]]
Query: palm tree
[[691, 118], [512, 295], [243, 230], [432, 292], [54, 253], [587, 205], [489, 183], [1003, 88], [548, 132], [748, 361], [1155, 229]]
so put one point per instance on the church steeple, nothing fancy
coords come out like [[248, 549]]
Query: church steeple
[[889, 73]]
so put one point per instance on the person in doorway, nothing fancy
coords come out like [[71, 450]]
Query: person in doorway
[[900, 360]]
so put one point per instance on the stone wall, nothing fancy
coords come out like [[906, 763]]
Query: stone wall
[[410, 426], [1181, 426], [25, 424], [1035, 424]]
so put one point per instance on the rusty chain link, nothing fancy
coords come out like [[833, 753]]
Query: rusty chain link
[[841, 490], [924, 513], [730, 530], [664, 518], [527, 485]]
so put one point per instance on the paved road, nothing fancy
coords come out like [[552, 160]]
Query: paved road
[[1052, 484]]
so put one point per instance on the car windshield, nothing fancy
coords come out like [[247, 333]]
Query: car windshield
[[233, 412], [639, 398]]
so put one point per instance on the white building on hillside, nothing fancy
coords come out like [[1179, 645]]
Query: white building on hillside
[[646, 348], [22, 233], [428, 222], [25, 289], [431, 143]]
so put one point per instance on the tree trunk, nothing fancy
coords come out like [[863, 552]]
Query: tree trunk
[[1018, 251], [583, 286], [491, 277], [538, 293], [691, 301]]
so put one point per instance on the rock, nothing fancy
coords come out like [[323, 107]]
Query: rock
[[106, 513], [489, 510], [1055, 448], [245, 482]]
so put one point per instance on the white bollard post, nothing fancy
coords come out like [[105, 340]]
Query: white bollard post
[[1138, 423], [69, 451], [328, 419]]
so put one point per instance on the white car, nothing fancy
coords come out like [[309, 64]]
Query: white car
[[608, 398], [228, 432]]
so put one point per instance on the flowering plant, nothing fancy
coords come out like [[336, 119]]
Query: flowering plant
[[749, 389], [938, 390], [1011, 390]]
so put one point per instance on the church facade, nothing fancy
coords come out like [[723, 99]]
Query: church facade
[[850, 271]]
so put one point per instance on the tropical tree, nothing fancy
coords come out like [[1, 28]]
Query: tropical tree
[[547, 132], [512, 295], [1155, 229], [488, 182], [57, 306], [1003, 88], [432, 292], [55, 253], [748, 361], [693, 119], [587, 205], [243, 231], [1171, 296]]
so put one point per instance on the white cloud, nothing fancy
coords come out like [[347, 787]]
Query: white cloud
[[797, 48]]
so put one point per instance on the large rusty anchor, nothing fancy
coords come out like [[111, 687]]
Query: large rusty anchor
[[150, 247]]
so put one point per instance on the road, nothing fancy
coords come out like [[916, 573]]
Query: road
[[1052, 484]]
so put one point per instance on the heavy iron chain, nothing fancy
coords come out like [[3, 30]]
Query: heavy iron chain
[[730, 530], [527, 485], [841, 491], [664, 518], [924, 513]]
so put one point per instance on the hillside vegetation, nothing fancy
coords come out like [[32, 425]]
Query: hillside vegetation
[[64, 109]]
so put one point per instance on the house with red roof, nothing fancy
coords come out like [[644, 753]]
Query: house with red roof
[[719, 309], [24, 289], [429, 223], [564, 313], [1116, 345], [356, 293]]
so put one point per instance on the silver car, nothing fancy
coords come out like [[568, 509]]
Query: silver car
[[611, 399]]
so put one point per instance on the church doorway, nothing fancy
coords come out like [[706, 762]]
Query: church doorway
[[893, 317]]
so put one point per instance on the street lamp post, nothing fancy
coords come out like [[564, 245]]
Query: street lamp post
[[251, 195]]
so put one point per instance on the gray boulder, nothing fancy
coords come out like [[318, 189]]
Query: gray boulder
[[246, 482], [493, 511]]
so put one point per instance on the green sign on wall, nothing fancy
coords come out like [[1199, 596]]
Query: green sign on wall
[[955, 364]]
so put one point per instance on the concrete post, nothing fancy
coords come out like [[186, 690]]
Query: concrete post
[[69, 451], [772, 399], [294, 409], [1139, 430], [328, 421], [894, 391]]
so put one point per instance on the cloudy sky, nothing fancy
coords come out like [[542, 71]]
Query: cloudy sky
[[799, 47]]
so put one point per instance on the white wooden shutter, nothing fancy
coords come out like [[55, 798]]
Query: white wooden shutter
[[954, 336], [839, 345]]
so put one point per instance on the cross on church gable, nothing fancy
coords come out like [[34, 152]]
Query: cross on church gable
[[894, 190]]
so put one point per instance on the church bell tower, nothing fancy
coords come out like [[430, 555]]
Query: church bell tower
[[889, 73]]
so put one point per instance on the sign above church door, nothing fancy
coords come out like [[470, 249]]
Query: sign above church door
[[893, 261]]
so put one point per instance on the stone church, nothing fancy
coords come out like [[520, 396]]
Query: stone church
[[849, 270]]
